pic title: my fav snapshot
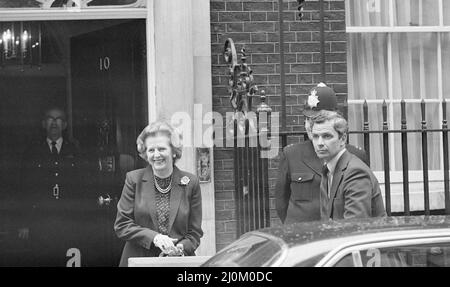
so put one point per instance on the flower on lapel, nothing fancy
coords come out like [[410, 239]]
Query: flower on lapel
[[184, 180]]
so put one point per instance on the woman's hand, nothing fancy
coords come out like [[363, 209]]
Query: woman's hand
[[164, 242]]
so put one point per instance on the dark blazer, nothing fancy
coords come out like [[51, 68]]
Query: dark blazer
[[354, 192], [297, 191], [136, 221]]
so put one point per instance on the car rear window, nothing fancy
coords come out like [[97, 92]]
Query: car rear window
[[248, 251]]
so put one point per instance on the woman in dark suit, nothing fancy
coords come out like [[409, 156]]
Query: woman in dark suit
[[161, 206]]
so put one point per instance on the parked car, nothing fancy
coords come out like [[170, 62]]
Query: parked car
[[422, 241]]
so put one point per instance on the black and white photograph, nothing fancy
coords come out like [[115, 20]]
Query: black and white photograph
[[224, 133]]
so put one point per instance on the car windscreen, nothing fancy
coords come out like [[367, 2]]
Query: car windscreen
[[249, 251]]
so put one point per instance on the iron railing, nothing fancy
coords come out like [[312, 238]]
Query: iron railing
[[367, 133], [251, 179]]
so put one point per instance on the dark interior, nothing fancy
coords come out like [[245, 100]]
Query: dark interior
[[96, 71]]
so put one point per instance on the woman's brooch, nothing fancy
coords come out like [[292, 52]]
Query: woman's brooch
[[184, 180]]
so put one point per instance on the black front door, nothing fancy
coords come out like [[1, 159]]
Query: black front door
[[109, 111]]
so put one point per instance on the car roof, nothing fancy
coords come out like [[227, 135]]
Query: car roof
[[307, 232]]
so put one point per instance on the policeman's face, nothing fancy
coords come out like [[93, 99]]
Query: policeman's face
[[159, 153], [326, 141], [54, 123]]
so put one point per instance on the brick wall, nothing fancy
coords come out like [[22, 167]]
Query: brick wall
[[254, 24]]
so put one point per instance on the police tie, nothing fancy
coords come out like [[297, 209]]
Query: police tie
[[54, 149], [324, 196]]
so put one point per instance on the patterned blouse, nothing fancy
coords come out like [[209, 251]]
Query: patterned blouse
[[163, 204]]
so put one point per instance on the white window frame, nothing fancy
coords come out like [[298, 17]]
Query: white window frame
[[414, 175], [33, 14]]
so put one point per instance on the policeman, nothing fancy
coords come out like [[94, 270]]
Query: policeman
[[297, 191], [49, 188]]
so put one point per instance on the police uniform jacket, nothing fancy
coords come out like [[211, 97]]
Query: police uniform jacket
[[297, 191], [51, 198], [50, 183]]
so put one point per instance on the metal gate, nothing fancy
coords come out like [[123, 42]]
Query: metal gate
[[249, 130]]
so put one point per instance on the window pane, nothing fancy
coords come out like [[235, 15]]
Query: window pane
[[446, 13], [445, 48], [355, 120], [346, 261], [415, 65], [368, 68], [413, 119], [367, 12], [416, 12], [414, 140], [355, 123]]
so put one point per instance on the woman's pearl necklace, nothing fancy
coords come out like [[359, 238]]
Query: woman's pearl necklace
[[163, 190]]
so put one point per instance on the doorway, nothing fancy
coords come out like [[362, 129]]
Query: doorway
[[96, 71]]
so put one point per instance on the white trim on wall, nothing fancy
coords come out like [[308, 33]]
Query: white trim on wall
[[151, 66], [8, 15], [398, 29]]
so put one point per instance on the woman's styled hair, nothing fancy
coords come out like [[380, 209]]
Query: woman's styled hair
[[157, 128]]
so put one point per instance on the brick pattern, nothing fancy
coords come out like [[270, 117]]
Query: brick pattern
[[254, 25]]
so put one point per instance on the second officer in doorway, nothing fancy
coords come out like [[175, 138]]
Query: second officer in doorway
[[50, 193]]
